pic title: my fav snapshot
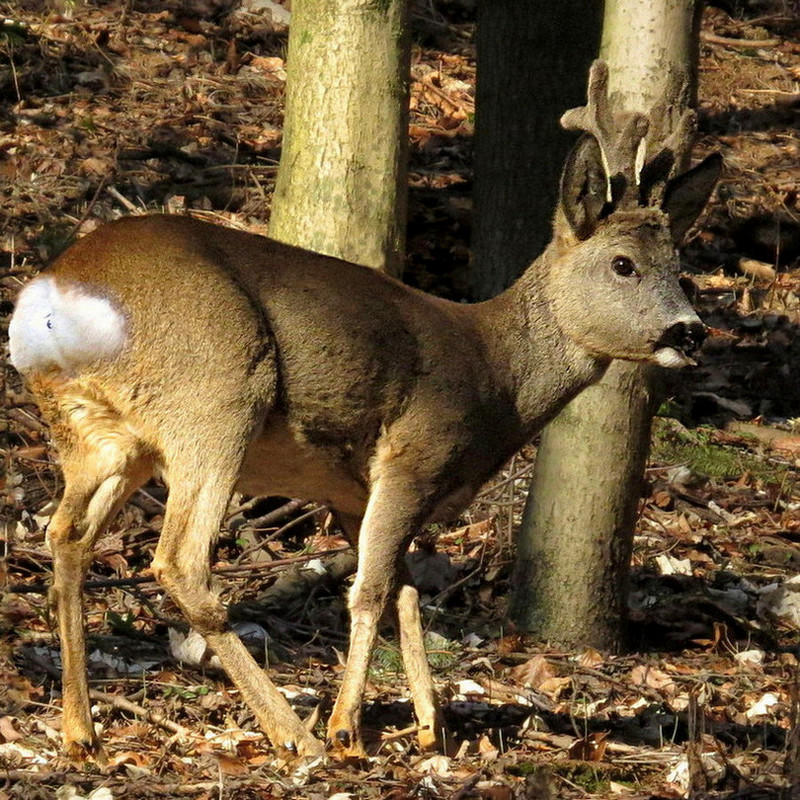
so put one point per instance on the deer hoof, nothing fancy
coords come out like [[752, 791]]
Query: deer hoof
[[346, 745], [428, 740], [79, 751], [309, 747]]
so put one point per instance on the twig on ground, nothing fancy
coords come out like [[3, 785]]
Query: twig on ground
[[275, 534], [436, 600], [467, 786], [727, 41], [41, 588], [77, 226], [265, 520], [155, 717], [120, 198]]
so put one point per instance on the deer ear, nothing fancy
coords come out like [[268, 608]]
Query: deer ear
[[584, 187], [686, 195]]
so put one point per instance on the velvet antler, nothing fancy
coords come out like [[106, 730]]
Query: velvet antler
[[619, 136]]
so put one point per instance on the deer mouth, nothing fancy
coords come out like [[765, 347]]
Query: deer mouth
[[678, 345]]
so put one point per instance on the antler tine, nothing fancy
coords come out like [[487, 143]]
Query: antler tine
[[682, 134], [592, 117], [618, 135], [665, 157]]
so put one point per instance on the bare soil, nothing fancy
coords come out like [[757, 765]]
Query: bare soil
[[110, 108]]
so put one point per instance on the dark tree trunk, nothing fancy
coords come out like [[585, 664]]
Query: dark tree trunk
[[533, 59]]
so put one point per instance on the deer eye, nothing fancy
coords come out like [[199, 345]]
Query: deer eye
[[623, 266]]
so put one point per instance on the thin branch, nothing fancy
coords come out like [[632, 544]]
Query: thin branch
[[124, 704], [712, 38], [134, 580]]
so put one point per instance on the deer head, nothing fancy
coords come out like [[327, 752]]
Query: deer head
[[614, 282]]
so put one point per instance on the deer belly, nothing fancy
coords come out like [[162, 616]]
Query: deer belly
[[277, 464]]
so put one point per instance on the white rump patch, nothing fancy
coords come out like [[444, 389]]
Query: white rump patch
[[62, 328]]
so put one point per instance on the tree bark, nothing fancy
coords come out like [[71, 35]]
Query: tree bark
[[527, 78], [571, 573], [341, 187]]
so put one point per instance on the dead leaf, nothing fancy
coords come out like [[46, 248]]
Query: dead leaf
[[644, 675], [509, 644], [590, 658], [129, 757], [268, 64], [496, 791], [788, 444], [618, 788], [592, 748], [34, 452], [553, 687], [231, 765], [94, 166], [7, 731], [757, 269], [763, 707], [487, 750], [533, 673], [438, 765]]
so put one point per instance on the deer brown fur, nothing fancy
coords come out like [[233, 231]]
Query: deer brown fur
[[219, 359]]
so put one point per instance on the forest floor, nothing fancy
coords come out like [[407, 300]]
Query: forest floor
[[111, 108]]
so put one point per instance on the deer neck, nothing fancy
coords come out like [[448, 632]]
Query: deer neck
[[537, 365]]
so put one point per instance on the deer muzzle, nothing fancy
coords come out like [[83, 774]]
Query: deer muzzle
[[678, 345]]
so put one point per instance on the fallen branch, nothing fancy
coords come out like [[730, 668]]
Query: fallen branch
[[712, 38], [124, 704], [120, 198], [238, 519], [262, 542], [20, 776], [134, 580]]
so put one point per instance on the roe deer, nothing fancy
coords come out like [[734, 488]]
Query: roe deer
[[220, 359]]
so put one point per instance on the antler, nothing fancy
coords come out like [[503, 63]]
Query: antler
[[619, 135], [635, 174], [666, 157]]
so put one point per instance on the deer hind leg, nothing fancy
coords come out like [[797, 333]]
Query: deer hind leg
[[196, 505], [415, 661], [392, 516], [103, 464]]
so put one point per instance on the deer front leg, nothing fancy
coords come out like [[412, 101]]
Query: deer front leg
[[392, 515], [182, 565]]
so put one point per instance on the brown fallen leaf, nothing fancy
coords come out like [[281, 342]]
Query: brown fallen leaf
[[645, 675], [7, 731], [553, 687], [592, 748], [509, 644], [788, 444], [231, 765], [591, 658], [757, 269], [31, 453], [94, 166], [533, 673], [267, 63], [487, 750]]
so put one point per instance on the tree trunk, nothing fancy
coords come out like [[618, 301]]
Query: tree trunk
[[526, 79], [341, 187], [571, 573]]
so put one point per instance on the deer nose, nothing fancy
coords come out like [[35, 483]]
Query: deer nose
[[686, 337]]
